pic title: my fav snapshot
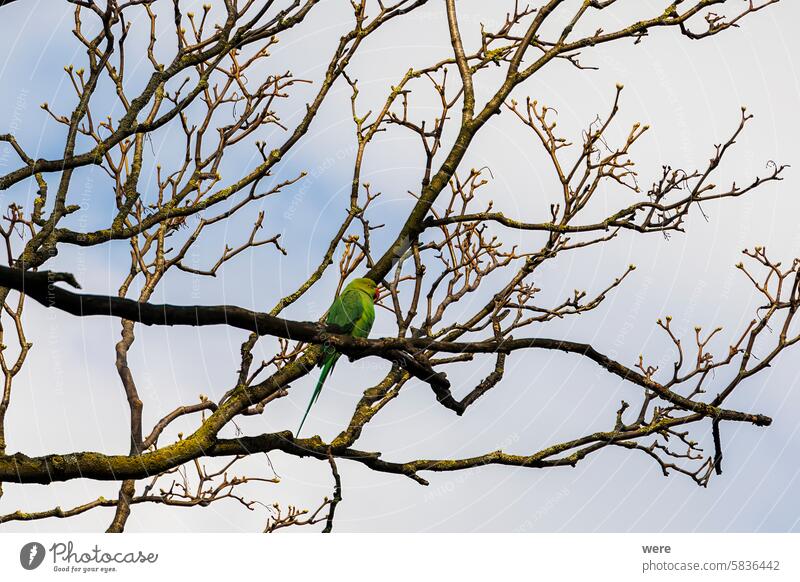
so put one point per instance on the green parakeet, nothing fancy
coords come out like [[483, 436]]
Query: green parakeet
[[354, 312]]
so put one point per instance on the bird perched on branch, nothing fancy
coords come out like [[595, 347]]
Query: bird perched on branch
[[353, 312]]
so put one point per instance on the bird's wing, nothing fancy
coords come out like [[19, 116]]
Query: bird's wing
[[364, 323], [346, 310]]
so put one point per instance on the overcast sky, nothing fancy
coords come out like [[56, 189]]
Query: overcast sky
[[68, 397]]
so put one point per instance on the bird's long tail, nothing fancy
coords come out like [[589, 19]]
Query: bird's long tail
[[330, 361]]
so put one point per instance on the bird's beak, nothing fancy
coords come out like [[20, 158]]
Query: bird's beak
[[377, 293]]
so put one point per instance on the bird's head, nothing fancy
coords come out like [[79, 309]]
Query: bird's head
[[368, 286]]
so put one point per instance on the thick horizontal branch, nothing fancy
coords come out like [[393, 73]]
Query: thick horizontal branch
[[19, 468], [42, 287], [402, 351]]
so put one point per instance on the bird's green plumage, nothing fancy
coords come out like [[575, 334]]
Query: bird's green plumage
[[354, 313]]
